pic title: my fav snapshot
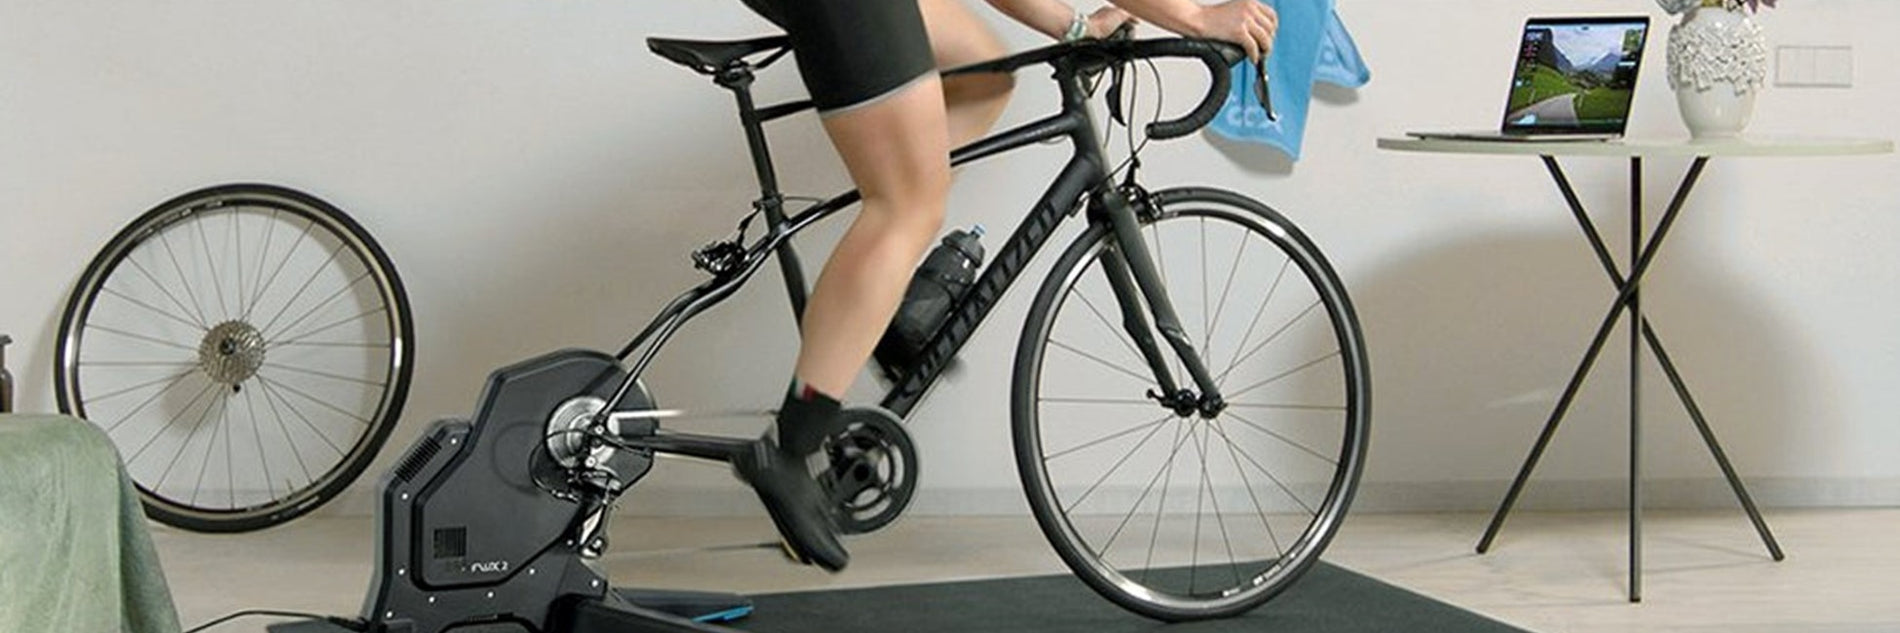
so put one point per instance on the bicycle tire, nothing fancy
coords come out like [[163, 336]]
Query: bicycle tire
[[280, 383], [1052, 428]]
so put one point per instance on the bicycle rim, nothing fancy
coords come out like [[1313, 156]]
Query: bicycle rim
[[1182, 517], [246, 347]]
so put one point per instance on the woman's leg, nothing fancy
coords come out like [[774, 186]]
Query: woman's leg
[[959, 37], [897, 151]]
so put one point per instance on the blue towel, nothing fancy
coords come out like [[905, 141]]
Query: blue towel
[[1312, 45]]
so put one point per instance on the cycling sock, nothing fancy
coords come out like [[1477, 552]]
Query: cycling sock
[[805, 420]]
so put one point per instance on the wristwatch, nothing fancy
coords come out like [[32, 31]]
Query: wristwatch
[[1078, 28]]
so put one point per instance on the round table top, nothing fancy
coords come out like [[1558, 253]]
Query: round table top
[[1638, 147]]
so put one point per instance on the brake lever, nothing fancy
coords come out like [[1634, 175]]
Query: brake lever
[[1261, 90], [1115, 95]]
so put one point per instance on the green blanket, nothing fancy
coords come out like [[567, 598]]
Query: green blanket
[[74, 554]]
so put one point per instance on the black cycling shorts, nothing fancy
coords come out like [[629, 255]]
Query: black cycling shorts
[[852, 52]]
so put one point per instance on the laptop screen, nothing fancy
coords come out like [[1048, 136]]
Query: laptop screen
[[1575, 75]]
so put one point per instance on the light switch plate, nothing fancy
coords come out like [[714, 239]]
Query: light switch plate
[[1814, 66]]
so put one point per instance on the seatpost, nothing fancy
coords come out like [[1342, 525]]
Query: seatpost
[[737, 77]]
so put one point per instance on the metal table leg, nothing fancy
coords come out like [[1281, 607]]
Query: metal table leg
[[1628, 299]]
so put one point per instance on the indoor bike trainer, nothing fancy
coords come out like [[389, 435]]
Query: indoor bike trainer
[[495, 523]]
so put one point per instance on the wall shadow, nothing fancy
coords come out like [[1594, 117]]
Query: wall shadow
[[1473, 340]]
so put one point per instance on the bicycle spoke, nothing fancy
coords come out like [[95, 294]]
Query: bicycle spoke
[[230, 465], [1066, 400], [1251, 495], [1282, 375], [1121, 334], [1145, 491], [320, 374], [1288, 441], [250, 407], [204, 465], [168, 424], [237, 255], [142, 337], [1161, 506], [263, 259], [1207, 328], [1152, 423], [1287, 407], [154, 309], [301, 289], [1270, 339], [289, 440], [301, 238], [1112, 469], [1220, 307], [306, 335], [1277, 482], [346, 344], [325, 303], [306, 395], [164, 240], [195, 427], [271, 387], [133, 388], [173, 381], [135, 363], [1124, 371], [199, 323], [1220, 521], [211, 264], [1271, 290], [1200, 498]]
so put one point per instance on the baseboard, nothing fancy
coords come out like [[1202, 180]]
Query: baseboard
[[1373, 497]]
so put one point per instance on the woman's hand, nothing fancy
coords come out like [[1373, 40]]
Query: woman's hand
[[1104, 21], [1248, 23]]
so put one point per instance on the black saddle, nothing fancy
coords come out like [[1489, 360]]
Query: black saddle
[[709, 58]]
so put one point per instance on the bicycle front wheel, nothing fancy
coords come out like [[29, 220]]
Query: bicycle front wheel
[[1185, 516], [246, 347]]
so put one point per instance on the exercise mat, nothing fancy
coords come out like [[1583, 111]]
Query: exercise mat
[[1328, 600]]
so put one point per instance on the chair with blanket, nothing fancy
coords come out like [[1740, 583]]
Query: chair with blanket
[[74, 553]]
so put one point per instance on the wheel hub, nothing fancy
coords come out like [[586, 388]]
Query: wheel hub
[[231, 353]]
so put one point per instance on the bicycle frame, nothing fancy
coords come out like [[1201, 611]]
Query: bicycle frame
[[1132, 274]]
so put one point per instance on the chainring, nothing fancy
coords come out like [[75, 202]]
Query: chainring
[[873, 473]]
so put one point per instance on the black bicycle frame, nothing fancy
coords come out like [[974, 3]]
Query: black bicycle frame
[[1132, 274]]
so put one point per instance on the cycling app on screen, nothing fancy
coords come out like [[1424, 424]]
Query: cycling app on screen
[[1576, 75]]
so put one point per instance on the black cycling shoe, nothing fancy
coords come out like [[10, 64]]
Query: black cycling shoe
[[797, 502]]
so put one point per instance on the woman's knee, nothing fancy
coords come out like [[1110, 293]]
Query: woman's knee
[[916, 210]]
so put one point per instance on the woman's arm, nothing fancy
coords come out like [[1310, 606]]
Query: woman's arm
[[1054, 18], [1245, 22]]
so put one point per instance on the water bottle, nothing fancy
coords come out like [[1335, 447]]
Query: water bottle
[[939, 283], [6, 379]]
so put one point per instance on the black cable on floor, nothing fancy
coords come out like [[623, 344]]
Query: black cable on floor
[[353, 624]]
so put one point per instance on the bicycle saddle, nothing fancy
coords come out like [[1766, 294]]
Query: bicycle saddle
[[707, 57]]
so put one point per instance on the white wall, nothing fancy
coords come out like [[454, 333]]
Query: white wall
[[539, 179]]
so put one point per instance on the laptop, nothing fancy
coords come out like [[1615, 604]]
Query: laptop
[[1573, 81]]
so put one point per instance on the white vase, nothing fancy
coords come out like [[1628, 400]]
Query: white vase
[[1718, 62]]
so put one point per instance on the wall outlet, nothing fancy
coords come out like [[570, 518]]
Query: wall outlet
[[1814, 66]]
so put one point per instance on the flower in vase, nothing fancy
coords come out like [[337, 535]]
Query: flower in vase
[[1680, 6]]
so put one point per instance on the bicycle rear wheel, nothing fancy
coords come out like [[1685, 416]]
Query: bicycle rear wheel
[[1184, 517], [247, 348]]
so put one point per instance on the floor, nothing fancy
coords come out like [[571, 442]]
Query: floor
[[1549, 572]]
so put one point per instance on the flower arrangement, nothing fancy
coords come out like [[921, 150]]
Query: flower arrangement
[[1679, 6]]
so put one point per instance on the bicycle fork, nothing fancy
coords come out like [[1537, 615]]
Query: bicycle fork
[[1134, 279]]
